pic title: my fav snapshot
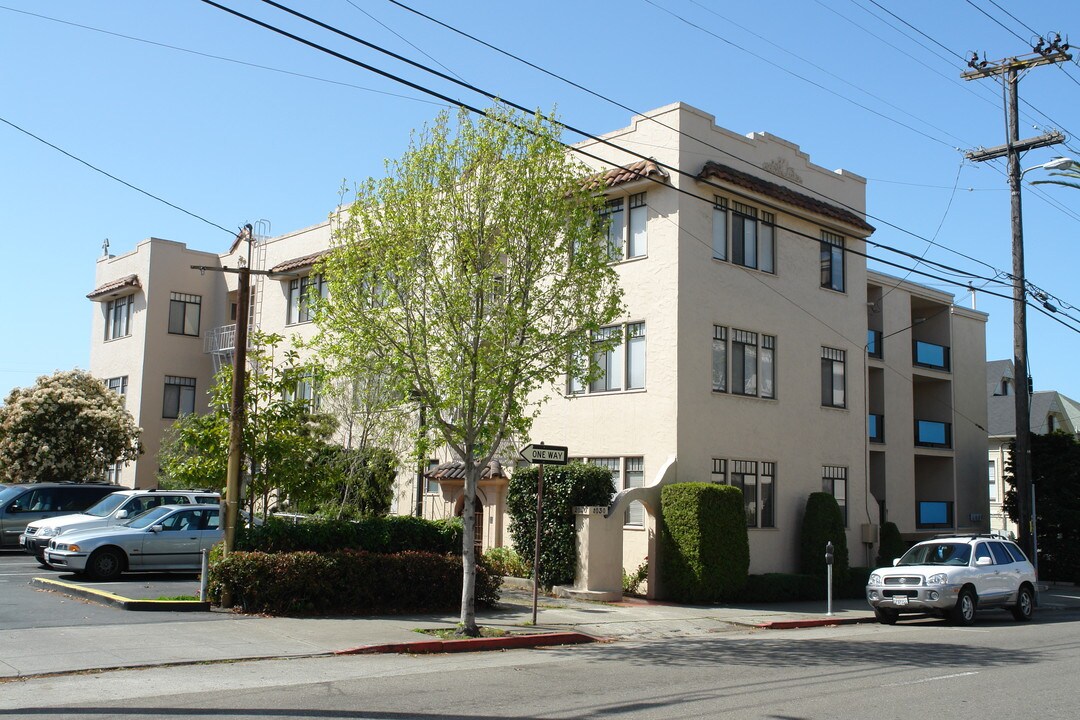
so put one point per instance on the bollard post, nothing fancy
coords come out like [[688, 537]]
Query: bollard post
[[828, 567], [204, 570]]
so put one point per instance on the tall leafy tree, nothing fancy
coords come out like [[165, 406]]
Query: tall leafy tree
[[1055, 473], [469, 278], [283, 434], [67, 426]]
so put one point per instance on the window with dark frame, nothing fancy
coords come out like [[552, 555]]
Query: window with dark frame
[[627, 220], [832, 261], [752, 358], [834, 481], [118, 385], [744, 235], [179, 396], [118, 317], [833, 380], [303, 292], [622, 367], [184, 312]]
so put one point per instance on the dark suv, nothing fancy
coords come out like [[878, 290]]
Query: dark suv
[[26, 502]]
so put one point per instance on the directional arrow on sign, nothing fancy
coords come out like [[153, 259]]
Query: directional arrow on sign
[[544, 454]]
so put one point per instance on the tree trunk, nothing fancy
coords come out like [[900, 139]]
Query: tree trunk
[[468, 624]]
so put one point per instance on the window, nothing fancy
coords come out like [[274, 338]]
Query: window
[[432, 484], [832, 261], [627, 473], [744, 235], [635, 477], [833, 383], [993, 481], [626, 239], [834, 482], [302, 291], [757, 482], [719, 471], [118, 317], [753, 362], [117, 385], [622, 367], [184, 313], [179, 396], [112, 473]]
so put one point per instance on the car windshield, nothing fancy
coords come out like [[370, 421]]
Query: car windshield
[[8, 493], [943, 553], [148, 518], [105, 505]]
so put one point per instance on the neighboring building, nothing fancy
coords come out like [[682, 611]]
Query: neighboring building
[[1049, 411], [757, 348]]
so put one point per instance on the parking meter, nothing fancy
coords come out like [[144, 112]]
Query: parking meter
[[829, 553], [828, 567]]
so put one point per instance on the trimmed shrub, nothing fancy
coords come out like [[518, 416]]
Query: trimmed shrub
[[892, 545], [391, 534], [565, 488], [823, 522], [506, 562], [706, 552], [346, 582], [787, 587]]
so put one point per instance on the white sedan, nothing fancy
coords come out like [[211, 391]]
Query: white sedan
[[167, 537]]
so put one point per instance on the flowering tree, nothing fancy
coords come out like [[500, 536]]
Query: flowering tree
[[68, 426], [469, 280]]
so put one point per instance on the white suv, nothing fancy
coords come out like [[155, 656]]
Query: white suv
[[952, 576], [110, 510]]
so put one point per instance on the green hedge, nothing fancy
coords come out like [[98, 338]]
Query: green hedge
[[823, 522], [390, 534], [346, 582], [706, 552], [892, 545], [787, 587], [565, 488]]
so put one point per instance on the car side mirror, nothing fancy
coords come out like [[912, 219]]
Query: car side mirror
[[983, 561], [156, 528], [14, 508], [121, 514], [895, 561]]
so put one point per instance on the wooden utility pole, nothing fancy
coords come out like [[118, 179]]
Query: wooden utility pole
[[1010, 71]]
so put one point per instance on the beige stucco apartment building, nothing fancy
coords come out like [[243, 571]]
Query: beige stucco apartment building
[[757, 349]]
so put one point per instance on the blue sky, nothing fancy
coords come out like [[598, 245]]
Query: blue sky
[[872, 86]]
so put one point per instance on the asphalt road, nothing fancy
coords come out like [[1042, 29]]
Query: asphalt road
[[999, 668], [25, 606]]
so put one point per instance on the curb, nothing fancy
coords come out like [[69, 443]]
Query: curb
[[108, 598], [506, 642], [808, 623]]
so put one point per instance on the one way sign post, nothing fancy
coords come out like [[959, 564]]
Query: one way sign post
[[541, 455]]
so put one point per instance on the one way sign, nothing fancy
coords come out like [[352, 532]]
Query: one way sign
[[544, 454]]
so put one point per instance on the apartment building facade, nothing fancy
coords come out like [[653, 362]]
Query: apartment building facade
[[757, 349]]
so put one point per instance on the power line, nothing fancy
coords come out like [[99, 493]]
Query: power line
[[215, 57], [578, 150], [113, 177]]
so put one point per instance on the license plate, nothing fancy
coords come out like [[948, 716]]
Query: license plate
[[900, 600]]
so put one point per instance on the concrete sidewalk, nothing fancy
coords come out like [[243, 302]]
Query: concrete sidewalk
[[58, 650]]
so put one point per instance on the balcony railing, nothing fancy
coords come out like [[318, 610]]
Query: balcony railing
[[876, 428], [220, 339], [873, 343], [930, 355], [931, 433]]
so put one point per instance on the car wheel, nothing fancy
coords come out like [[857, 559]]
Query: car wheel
[[963, 613], [41, 558], [1025, 604], [105, 564], [886, 616]]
